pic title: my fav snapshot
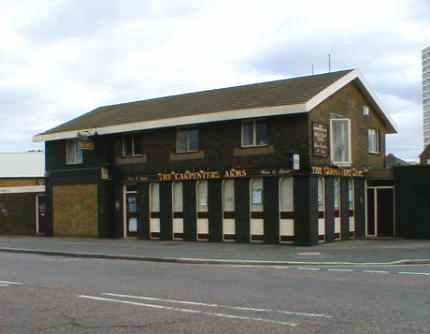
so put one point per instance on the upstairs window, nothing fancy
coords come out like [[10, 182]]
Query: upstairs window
[[340, 138], [187, 140], [74, 154], [374, 143], [131, 145], [254, 133]]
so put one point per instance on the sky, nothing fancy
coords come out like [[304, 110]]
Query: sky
[[59, 59]]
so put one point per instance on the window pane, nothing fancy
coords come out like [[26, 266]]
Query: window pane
[[193, 140], [340, 137], [177, 197], [131, 204], [337, 193], [351, 194], [137, 144], [321, 194], [181, 142], [74, 154], [247, 133], [261, 133], [257, 194], [127, 145], [202, 196], [228, 195], [155, 197], [286, 194]]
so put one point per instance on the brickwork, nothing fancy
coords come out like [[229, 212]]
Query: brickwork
[[75, 210]]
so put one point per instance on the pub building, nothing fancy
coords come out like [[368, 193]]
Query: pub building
[[276, 162]]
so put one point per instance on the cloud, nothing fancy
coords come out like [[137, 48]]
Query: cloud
[[60, 59]]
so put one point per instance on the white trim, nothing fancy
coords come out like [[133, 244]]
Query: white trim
[[341, 163], [23, 189], [375, 213], [179, 121], [254, 134], [330, 90]]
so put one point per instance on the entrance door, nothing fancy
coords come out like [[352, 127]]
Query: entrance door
[[380, 212], [385, 212], [42, 219], [131, 211]]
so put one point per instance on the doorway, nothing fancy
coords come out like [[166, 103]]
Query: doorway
[[131, 215], [41, 215], [380, 212]]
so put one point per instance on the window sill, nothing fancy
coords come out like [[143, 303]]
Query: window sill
[[74, 163], [129, 160], [253, 150], [342, 164], [374, 153], [187, 156]]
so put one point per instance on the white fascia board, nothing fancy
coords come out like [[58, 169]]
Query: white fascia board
[[330, 90], [179, 121], [342, 82], [377, 101], [22, 189]]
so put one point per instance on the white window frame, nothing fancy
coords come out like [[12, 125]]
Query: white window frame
[[349, 161], [377, 141], [256, 181], [254, 133], [187, 144], [74, 154], [154, 197], [133, 150], [321, 194], [286, 194], [351, 194], [224, 195], [202, 203]]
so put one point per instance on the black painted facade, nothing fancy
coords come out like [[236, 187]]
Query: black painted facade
[[219, 150]]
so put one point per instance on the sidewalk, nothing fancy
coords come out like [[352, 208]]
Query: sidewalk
[[341, 252]]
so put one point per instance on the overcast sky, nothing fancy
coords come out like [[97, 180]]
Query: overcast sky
[[59, 59]]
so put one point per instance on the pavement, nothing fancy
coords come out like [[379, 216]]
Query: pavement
[[354, 252], [57, 294]]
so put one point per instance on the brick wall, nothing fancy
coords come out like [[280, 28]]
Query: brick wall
[[17, 214], [75, 210]]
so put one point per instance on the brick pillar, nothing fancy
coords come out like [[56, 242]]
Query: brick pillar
[[189, 210], [306, 210], [329, 209], [241, 194], [215, 210], [271, 210], [166, 211]]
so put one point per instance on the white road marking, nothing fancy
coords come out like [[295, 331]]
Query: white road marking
[[309, 268], [376, 271], [11, 283], [413, 273], [184, 310], [340, 270], [239, 308]]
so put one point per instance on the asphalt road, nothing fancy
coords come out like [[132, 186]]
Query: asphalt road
[[42, 294]]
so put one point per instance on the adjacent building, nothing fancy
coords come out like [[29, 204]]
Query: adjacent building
[[426, 94], [22, 193], [274, 162]]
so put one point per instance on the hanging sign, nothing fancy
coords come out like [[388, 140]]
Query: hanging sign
[[320, 140]]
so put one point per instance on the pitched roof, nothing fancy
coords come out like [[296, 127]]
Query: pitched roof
[[22, 164], [204, 106]]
